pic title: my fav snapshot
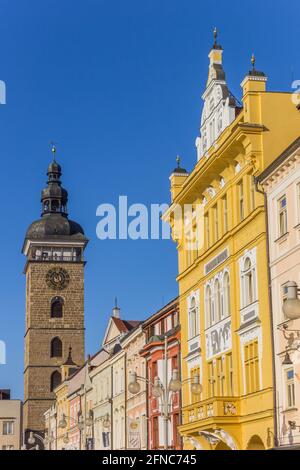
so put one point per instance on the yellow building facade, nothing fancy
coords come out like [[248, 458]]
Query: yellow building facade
[[225, 315]]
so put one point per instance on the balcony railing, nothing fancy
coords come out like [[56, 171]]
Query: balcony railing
[[218, 407], [56, 258]]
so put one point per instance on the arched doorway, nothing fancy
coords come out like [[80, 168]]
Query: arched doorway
[[255, 443], [222, 446]]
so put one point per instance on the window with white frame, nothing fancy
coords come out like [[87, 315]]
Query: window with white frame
[[241, 200], [218, 301], [8, 428], [193, 323], [282, 216], [226, 294], [248, 282], [209, 306], [290, 388]]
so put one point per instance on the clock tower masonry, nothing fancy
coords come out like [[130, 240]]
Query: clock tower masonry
[[54, 247]]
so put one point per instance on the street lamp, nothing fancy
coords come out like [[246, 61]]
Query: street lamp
[[33, 437], [291, 309], [81, 423], [291, 306], [106, 421], [164, 391]]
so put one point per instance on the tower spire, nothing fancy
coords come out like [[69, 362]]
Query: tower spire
[[53, 150], [54, 196], [215, 36], [116, 309]]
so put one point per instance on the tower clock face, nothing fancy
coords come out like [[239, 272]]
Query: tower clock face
[[57, 278]]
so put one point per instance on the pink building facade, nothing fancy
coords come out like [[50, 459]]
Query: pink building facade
[[281, 184]]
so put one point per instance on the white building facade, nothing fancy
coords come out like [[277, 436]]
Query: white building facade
[[281, 183]]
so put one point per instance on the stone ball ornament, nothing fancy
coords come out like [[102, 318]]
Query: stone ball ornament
[[57, 278]]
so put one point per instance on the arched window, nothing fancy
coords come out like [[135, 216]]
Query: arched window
[[46, 206], [57, 307], [55, 380], [55, 205], [193, 319], [56, 347], [210, 310], [226, 295], [249, 275], [218, 301]]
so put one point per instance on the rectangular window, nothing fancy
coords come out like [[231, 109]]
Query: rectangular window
[[151, 331], [157, 329], [216, 222], [155, 437], [211, 379], [282, 215], [175, 362], [241, 200], [8, 427], [290, 388], [229, 375], [225, 214], [8, 447], [154, 370], [251, 366], [207, 231], [162, 327], [221, 377], [195, 373], [175, 319]]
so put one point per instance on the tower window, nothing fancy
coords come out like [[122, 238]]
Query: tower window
[[56, 347], [55, 205], [57, 307], [46, 206], [55, 380]]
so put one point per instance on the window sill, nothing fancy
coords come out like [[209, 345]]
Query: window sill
[[282, 238], [217, 322], [289, 410], [249, 305]]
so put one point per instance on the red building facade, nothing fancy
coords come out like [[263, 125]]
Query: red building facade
[[163, 329]]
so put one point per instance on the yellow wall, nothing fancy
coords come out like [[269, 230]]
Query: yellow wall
[[252, 144]]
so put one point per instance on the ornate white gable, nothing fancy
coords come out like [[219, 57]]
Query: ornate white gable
[[220, 107]]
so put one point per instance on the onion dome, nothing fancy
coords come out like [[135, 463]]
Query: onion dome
[[54, 221]]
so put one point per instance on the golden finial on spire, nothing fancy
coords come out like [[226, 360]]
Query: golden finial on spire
[[178, 161], [253, 61]]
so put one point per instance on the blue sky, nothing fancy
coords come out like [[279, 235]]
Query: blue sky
[[118, 84]]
